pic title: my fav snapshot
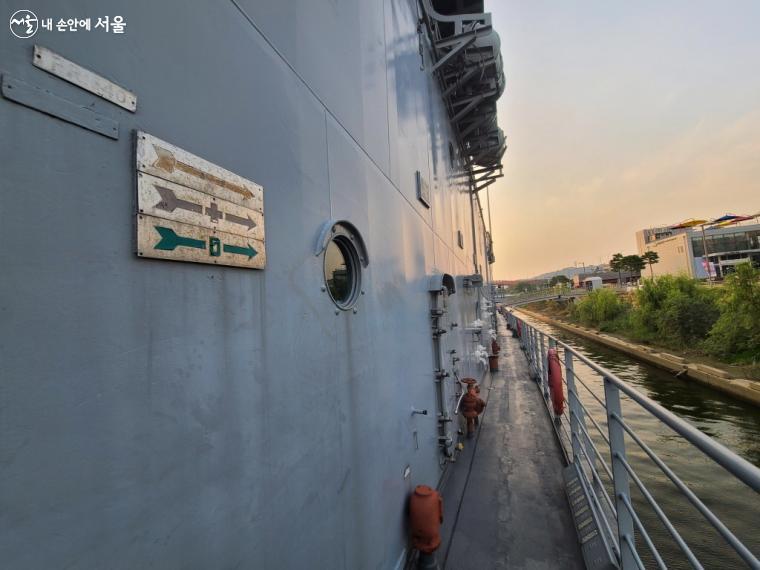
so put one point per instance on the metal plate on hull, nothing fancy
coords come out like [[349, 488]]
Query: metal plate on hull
[[163, 239], [54, 105], [59, 66]]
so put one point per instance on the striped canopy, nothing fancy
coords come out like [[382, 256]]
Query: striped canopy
[[734, 220], [688, 224], [725, 218]]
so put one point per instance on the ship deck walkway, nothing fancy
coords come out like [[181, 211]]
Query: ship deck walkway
[[504, 501]]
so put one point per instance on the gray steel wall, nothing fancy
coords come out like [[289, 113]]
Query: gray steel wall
[[168, 415]]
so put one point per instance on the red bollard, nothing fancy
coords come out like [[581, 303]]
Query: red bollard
[[425, 518], [472, 406]]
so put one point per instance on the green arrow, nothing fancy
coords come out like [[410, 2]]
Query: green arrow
[[249, 251], [170, 240]]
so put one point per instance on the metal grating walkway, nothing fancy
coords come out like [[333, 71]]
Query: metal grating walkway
[[505, 503]]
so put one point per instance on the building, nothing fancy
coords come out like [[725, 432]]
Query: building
[[608, 278], [643, 237], [682, 251], [593, 283]]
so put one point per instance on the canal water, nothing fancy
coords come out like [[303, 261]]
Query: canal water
[[731, 422]]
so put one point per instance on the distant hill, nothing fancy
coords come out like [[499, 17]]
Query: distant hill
[[570, 271]]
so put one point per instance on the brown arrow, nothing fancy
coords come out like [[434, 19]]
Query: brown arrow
[[247, 221], [167, 162]]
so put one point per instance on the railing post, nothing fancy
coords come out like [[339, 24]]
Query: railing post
[[531, 332], [529, 351], [576, 412], [528, 340], [544, 368], [620, 476], [577, 415]]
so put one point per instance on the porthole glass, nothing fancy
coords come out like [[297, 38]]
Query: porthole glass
[[342, 271], [338, 272]]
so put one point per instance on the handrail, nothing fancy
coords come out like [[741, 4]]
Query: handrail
[[585, 453], [735, 543], [663, 518], [737, 466]]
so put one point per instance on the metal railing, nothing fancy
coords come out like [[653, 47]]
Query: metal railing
[[620, 522], [540, 295], [548, 293]]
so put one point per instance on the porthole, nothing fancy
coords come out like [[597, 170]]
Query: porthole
[[341, 272], [344, 256]]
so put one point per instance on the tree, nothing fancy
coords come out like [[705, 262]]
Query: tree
[[525, 287], [616, 264], [558, 280], [676, 310], [651, 257], [736, 334], [633, 263]]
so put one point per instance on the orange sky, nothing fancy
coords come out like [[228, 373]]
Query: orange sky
[[619, 117]]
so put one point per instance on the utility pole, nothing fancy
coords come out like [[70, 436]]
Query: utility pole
[[472, 223], [488, 261], [707, 259]]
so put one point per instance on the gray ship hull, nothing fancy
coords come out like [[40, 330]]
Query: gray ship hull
[[162, 414]]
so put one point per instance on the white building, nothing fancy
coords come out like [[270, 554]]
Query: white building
[[681, 251]]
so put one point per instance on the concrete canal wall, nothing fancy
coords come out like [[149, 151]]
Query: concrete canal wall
[[742, 388]]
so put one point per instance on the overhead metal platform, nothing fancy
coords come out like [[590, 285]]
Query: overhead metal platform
[[468, 64]]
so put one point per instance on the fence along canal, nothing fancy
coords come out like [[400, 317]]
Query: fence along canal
[[682, 482]]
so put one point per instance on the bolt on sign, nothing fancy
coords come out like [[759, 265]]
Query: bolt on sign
[[189, 209]]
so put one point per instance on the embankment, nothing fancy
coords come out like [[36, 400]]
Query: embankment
[[742, 388]]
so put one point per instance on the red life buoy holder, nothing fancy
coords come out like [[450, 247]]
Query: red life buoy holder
[[555, 382], [519, 329]]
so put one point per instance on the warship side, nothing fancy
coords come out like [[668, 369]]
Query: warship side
[[243, 253]]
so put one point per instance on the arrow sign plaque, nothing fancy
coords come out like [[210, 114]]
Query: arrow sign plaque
[[189, 209], [164, 160], [163, 199], [163, 239]]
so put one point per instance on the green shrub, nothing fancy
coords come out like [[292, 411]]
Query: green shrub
[[598, 308], [675, 310], [680, 312], [736, 333]]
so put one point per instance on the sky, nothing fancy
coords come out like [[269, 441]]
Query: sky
[[621, 116]]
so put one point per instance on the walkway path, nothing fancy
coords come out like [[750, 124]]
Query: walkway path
[[505, 504]]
